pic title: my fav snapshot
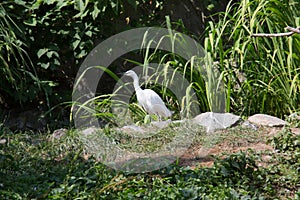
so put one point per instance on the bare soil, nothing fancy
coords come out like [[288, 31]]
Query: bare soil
[[199, 156]]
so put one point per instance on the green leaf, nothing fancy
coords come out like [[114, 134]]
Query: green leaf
[[20, 2], [45, 65], [41, 52], [75, 44], [113, 4], [89, 33], [49, 2], [31, 22], [96, 11], [81, 6], [51, 53], [56, 62], [115, 7], [81, 54]]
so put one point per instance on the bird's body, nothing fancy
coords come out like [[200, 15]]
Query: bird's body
[[148, 99]]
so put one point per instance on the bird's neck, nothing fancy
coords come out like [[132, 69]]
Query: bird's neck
[[136, 85]]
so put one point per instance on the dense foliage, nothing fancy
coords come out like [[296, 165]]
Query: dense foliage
[[43, 43]]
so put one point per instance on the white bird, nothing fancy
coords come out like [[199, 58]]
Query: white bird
[[148, 99]]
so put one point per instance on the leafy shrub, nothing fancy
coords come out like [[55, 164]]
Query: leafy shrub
[[43, 43], [52, 31], [286, 141], [286, 162]]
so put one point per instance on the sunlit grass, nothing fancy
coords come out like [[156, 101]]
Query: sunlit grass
[[40, 166], [269, 67]]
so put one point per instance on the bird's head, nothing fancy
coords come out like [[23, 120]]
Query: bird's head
[[130, 73]]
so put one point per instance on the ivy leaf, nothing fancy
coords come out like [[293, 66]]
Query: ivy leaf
[[96, 11], [89, 33], [75, 44], [31, 21], [45, 65], [41, 52], [81, 6]]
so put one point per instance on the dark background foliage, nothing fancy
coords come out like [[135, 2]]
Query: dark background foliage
[[44, 42]]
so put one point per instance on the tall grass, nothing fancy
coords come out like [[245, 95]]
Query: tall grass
[[261, 74], [180, 80], [16, 69], [188, 83], [203, 88]]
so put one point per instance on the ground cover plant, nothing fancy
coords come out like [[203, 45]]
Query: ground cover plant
[[40, 166]]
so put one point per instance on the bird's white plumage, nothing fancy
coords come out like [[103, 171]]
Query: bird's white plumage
[[148, 99]]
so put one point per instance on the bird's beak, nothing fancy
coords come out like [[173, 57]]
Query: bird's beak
[[120, 73]]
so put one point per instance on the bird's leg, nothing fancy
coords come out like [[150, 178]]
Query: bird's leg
[[153, 117], [159, 118]]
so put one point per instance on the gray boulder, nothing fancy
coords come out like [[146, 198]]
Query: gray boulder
[[266, 120], [213, 121]]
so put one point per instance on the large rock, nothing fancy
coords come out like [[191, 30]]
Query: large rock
[[213, 121], [58, 133], [247, 124], [132, 128], [89, 131], [266, 120], [161, 124]]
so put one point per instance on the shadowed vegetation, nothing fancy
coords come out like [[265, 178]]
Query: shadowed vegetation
[[42, 45]]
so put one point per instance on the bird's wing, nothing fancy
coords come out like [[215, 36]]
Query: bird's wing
[[156, 104], [162, 110], [153, 97]]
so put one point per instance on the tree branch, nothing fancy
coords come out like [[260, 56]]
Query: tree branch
[[291, 29]]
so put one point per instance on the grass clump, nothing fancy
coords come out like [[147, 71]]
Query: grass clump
[[261, 74]]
